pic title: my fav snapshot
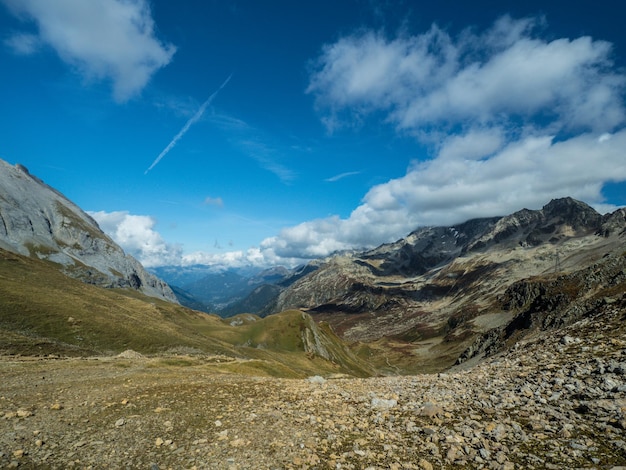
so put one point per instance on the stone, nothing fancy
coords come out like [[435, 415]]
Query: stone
[[382, 404], [237, 442], [431, 410], [424, 465], [567, 340]]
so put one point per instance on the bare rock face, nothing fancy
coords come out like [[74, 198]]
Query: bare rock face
[[442, 287], [36, 220], [433, 261], [552, 302]]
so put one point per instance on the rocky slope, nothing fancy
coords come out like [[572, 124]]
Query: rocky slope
[[553, 301], [36, 220], [557, 400], [430, 295]]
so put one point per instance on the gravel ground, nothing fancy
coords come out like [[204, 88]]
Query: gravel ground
[[557, 400]]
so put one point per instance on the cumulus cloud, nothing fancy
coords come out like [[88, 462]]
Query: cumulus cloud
[[251, 257], [103, 39], [451, 189], [442, 191], [513, 120], [434, 80], [136, 235]]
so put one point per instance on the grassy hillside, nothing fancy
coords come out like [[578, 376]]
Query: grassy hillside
[[43, 311]]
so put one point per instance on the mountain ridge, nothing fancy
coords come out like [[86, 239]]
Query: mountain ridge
[[423, 250], [37, 220], [429, 295], [417, 304]]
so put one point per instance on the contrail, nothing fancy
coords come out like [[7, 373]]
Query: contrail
[[189, 123]]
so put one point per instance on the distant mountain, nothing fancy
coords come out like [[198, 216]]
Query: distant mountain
[[255, 302], [188, 300], [229, 292], [426, 297], [38, 221], [182, 275]]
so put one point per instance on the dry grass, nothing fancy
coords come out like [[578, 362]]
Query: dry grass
[[44, 312]]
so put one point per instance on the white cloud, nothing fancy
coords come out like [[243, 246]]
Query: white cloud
[[513, 121], [257, 145], [341, 176], [23, 43], [476, 144], [102, 39], [503, 76], [443, 191], [446, 190], [252, 257], [136, 235], [267, 157]]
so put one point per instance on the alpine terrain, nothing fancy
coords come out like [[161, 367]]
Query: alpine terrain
[[497, 343], [420, 302], [36, 220]]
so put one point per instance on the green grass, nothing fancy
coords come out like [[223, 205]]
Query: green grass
[[42, 311]]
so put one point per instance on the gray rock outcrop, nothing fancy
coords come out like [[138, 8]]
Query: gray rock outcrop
[[38, 221]]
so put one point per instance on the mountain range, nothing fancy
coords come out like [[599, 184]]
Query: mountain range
[[228, 292], [437, 296], [426, 298], [440, 297]]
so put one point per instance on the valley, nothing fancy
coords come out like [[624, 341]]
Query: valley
[[418, 304], [496, 343]]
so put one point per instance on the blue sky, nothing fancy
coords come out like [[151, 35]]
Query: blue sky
[[288, 130]]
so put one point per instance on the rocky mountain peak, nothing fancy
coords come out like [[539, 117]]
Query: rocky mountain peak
[[575, 213], [38, 221], [439, 285]]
